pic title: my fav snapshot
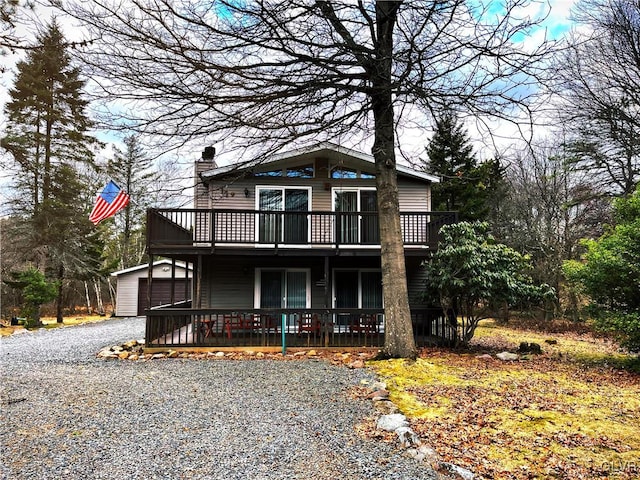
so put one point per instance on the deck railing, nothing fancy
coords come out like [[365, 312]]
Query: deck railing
[[202, 227], [174, 327]]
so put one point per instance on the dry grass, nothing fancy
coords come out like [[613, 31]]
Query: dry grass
[[572, 412], [50, 322]]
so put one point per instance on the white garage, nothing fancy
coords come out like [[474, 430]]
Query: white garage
[[131, 287]]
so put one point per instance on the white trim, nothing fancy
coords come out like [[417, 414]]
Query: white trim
[[282, 188], [181, 265]]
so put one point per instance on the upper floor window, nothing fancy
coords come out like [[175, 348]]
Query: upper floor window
[[270, 173], [338, 171], [298, 171], [302, 171]]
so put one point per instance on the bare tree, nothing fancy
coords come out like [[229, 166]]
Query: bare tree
[[550, 208], [599, 79], [268, 74]]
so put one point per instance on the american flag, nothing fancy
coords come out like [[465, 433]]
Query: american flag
[[109, 202]]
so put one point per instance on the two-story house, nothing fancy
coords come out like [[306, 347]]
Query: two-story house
[[286, 252]]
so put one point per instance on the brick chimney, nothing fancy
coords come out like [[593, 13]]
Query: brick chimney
[[201, 190]]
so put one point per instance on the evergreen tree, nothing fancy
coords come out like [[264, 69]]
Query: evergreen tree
[[133, 171], [47, 123], [74, 251], [464, 185], [35, 290], [47, 138], [9, 10]]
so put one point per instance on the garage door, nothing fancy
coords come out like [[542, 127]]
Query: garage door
[[161, 294]]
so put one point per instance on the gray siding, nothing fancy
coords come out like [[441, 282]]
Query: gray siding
[[127, 295], [228, 283], [416, 278], [414, 196], [230, 193]]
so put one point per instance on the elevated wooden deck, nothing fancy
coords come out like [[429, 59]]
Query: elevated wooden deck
[[256, 232]]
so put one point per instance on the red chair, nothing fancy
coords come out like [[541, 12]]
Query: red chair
[[366, 324], [309, 323]]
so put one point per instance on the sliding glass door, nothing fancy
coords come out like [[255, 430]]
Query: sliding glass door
[[356, 220], [284, 289], [369, 229], [356, 289], [288, 228]]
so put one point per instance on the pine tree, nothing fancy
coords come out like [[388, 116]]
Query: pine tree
[[74, 251], [47, 123], [464, 185], [47, 137], [133, 171]]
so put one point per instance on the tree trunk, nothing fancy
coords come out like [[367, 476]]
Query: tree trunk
[[96, 287], [112, 296], [86, 292], [59, 316], [399, 340]]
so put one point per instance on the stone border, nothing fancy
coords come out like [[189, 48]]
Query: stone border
[[392, 420]]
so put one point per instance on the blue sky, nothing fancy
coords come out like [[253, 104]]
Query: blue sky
[[558, 14]]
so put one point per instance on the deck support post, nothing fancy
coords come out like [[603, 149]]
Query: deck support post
[[149, 280], [327, 299], [172, 293], [284, 334], [199, 283]]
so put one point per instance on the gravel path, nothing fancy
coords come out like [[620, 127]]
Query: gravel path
[[66, 414]]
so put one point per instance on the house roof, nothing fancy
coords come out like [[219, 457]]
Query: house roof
[[146, 265], [325, 149]]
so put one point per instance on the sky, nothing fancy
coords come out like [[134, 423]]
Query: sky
[[557, 24]]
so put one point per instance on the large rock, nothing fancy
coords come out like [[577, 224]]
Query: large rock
[[456, 471], [407, 437], [507, 356], [424, 453], [392, 422]]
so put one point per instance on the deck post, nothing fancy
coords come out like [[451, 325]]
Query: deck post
[[199, 283], [327, 299], [149, 280], [173, 282], [284, 334]]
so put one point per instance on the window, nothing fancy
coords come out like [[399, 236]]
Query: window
[[357, 288], [303, 171], [290, 227], [342, 172], [358, 223], [270, 173], [300, 171], [338, 171]]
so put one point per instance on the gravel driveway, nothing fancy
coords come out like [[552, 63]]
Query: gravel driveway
[[67, 415]]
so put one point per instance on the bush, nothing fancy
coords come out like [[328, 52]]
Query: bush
[[609, 274], [470, 272], [36, 290]]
